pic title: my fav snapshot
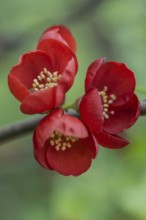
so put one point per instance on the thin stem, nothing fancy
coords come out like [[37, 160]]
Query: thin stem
[[74, 105], [68, 106]]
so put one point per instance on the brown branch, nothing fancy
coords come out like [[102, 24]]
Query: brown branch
[[26, 126], [22, 127], [18, 129]]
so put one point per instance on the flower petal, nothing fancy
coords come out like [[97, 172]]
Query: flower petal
[[111, 141], [21, 78], [46, 127], [91, 72], [91, 110], [73, 126], [118, 78], [74, 160], [18, 89], [62, 34], [68, 75], [40, 155], [57, 51], [43, 100], [71, 161], [124, 117], [22, 75], [67, 124], [63, 57]]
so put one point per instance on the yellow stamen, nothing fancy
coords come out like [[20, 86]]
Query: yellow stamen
[[61, 141], [45, 80], [107, 100]]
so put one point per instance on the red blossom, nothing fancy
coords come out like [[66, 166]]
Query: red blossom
[[109, 105], [42, 77], [64, 144], [62, 34]]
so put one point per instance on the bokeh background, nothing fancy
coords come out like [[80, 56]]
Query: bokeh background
[[115, 186]]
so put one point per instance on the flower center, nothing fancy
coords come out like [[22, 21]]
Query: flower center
[[107, 100], [45, 80], [60, 141]]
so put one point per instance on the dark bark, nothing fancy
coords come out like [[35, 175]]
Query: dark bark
[[26, 126]]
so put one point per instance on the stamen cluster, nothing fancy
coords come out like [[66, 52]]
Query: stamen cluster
[[60, 141], [45, 80], [107, 100]]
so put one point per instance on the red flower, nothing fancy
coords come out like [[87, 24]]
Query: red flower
[[64, 144], [109, 105], [43, 76], [62, 34]]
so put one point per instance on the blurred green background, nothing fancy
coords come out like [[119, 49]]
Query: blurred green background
[[115, 186]]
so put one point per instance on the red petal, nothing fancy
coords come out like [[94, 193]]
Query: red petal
[[118, 78], [91, 72], [17, 88], [57, 51], [124, 117], [62, 34], [91, 110], [74, 160], [43, 100], [40, 155], [63, 57], [21, 76], [70, 125], [46, 127], [67, 124], [111, 141], [68, 75]]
